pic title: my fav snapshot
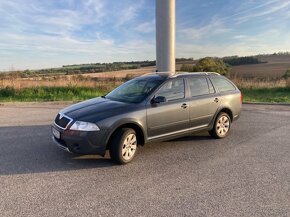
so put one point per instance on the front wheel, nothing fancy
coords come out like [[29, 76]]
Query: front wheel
[[123, 146], [221, 126]]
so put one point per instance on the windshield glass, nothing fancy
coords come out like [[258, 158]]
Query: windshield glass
[[134, 91]]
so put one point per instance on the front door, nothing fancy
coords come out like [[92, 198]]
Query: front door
[[169, 117]]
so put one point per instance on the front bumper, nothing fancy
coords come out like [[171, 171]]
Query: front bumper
[[80, 142], [60, 145]]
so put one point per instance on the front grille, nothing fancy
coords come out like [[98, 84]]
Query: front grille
[[62, 121]]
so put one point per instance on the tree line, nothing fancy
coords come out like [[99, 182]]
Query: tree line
[[219, 65], [236, 61], [80, 69]]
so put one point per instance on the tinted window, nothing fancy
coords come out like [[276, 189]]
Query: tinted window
[[172, 90], [198, 86], [222, 84]]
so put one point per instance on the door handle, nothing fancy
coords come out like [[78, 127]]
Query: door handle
[[216, 100], [184, 106]]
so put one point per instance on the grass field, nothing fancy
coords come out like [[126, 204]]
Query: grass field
[[42, 94], [74, 93], [271, 95]]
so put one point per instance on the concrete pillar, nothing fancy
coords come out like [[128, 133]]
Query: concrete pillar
[[165, 36]]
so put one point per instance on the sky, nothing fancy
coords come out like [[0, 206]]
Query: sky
[[51, 33]]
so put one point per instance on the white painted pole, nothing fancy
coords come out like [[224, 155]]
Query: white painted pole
[[165, 36]]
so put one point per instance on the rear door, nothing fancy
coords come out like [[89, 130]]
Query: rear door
[[170, 117], [204, 101]]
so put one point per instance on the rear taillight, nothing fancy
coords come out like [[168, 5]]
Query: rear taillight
[[241, 98]]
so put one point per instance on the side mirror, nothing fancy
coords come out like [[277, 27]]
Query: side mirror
[[158, 99]]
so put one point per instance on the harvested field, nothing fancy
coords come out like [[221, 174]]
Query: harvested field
[[275, 67], [123, 73]]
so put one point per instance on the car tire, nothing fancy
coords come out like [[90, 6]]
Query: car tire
[[123, 146], [221, 126]]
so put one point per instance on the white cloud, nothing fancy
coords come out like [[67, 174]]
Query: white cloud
[[24, 16], [146, 27], [38, 33], [68, 49], [97, 6], [129, 13], [215, 27], [263, 11], [266, 42]]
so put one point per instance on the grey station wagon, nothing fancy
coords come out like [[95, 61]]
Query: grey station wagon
[[148, 108]]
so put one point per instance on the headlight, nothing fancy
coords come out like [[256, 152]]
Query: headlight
[[84, 126]]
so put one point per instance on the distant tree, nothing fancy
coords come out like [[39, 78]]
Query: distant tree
[[187, 68], [287, 74], [209, 64], [283, 53], [184, 59]]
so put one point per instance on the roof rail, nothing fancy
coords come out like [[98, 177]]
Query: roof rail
[[207, 73], [212, 73]]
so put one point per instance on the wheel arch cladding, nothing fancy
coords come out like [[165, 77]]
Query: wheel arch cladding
[[227, 111], [135, 127]]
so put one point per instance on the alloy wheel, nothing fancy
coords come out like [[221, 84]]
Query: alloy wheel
[[223, 125], [129, 147]]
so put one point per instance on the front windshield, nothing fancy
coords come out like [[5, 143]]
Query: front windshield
[[134, 91]]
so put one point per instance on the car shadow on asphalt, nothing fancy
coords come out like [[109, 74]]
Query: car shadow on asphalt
[[196, 136], [29, 149]]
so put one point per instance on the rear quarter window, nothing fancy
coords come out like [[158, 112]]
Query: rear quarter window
[[222, 84]]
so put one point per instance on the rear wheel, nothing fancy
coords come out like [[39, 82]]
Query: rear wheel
[[221, 126], [123, 146]]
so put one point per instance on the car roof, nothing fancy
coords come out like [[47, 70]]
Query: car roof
[[166, 75]]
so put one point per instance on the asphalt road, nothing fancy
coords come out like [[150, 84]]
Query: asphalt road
[[246, 174]]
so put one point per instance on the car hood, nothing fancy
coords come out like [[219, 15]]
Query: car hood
[[95, 109]]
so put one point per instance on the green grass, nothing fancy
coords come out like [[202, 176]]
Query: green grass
[[42, 94], [271, 95], [48, 94]]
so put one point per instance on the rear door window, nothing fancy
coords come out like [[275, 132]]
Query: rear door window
[[222, 84], [198, 86]]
